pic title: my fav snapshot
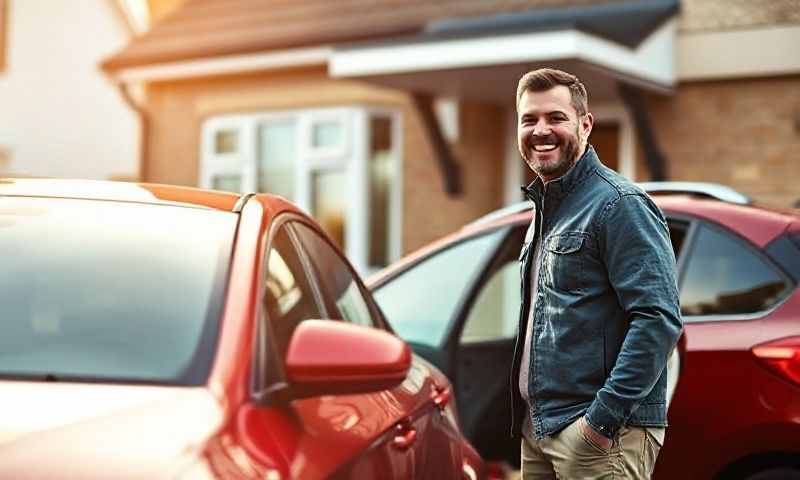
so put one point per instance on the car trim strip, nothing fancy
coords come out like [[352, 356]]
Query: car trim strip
[[242, 201]]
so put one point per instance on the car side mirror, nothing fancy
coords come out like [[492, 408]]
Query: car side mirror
[[327, 357]]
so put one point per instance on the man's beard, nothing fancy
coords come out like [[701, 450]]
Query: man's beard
[[570, 149]]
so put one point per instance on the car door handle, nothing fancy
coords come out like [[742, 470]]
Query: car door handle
[[441, 396], [404, 437]]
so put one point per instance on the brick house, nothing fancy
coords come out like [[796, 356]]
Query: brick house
[[393, 122]]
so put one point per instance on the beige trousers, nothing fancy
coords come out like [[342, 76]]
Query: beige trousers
[[569, 455]]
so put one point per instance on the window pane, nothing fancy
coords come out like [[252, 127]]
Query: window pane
[[344, 299], [725, 277], [226, 141], [329, 205], [288, 298], [420, 302], [108, 290], [228, 183], [276, 158], [381, 179], [677, 234], [495, 312], [326, 134]]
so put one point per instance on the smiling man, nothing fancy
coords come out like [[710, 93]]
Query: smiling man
[[599, 314]]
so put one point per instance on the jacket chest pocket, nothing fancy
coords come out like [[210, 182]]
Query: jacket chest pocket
[[563, 262]]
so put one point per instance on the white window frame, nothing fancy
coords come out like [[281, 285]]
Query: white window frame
[[351, 157], [315, 117], [396, 200]]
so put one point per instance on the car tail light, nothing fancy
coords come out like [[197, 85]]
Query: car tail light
[[782, 357]]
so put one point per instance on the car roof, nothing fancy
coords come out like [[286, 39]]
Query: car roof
[[118, 191], [758, 224]]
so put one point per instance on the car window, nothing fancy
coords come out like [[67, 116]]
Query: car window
[[677, 235], [288, 294], [420, 302], [496, 310], [116, 291], [725, 276], [343, 296]]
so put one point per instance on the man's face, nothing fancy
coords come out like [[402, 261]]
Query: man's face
[[550, 135]]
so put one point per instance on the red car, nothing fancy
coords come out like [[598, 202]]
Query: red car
[[734, 380], [165, 332]]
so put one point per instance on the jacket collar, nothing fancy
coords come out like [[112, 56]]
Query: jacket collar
[[562, 186]]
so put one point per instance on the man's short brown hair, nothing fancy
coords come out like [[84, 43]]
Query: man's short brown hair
[[546, 78]]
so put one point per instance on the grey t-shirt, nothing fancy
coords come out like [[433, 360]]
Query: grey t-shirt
[[524, 366]]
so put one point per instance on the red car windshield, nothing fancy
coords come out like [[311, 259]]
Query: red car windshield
[[109, 291]]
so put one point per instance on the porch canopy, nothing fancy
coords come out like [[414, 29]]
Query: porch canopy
[[481, 58], [468, 48]]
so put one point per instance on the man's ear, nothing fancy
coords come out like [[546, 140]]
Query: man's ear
[[587, 122]]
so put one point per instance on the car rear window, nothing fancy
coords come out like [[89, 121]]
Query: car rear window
[[726, 276], [110, 291]]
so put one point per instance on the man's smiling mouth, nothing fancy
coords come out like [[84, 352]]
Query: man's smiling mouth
[[545, 148]]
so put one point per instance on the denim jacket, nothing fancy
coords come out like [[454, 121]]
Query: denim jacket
[[606, 315]]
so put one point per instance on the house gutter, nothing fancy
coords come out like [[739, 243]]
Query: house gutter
[[144, 127]]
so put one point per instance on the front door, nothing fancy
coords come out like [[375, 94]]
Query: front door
[[605, 140]]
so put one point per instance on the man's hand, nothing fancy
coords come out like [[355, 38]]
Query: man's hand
[[593, 436]]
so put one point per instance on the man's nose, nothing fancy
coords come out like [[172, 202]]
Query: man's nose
[[540, 129]]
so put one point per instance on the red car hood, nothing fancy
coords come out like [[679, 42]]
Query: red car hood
[[63, 430]]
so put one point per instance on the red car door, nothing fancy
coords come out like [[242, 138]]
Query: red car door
[[421, 442], [387, 434]]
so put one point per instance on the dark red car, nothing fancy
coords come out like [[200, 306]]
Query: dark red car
[[734, 380], [161, 332]]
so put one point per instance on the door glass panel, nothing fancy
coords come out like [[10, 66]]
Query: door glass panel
[[494, 313], [677, 235], [420, 302], [726, 277], [277, 157], [343, 296], [381, 179], [329, 203], [288, 298]]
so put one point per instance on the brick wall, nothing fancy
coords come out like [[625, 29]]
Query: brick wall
[[708, 15], [429, 211], [177, 110], [742, 133]]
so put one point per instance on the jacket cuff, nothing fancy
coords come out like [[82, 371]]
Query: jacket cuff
[[603, 420]]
